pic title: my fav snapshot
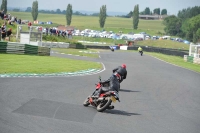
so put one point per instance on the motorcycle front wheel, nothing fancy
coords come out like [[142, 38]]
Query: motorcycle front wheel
[[86, 102], [104, 104]]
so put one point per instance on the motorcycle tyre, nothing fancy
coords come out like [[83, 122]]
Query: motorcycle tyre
[[86, 102], [101, 109]]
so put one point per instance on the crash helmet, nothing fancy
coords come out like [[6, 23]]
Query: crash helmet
[[124, 66]]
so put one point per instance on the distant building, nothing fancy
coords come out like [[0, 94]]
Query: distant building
[[152, 17]]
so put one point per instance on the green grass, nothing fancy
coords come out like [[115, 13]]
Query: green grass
[[116, 24], [80, 52], [164, 44], [176, 60], [11, 63]]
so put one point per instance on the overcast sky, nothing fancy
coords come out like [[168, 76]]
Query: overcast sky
[[125, 6]]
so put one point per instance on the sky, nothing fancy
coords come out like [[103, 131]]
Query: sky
[[124, 6]]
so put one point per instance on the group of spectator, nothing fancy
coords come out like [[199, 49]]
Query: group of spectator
[[8, 19], [57, 32]]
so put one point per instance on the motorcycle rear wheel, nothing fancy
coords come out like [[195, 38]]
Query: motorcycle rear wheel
[[103, 106]]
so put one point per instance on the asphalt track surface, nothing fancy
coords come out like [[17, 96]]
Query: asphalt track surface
[[156, 97]]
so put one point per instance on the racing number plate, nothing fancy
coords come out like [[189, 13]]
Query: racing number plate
[[113, 99]]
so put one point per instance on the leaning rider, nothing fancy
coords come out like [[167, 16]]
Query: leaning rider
[[119, 74]]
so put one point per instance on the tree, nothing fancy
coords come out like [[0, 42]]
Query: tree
[[194, 26], [156, 11], [173, 25], [189, 12], [69, 13], [28, 9], [16, 10], [58, 11], [130, 14], [147, 11], [52, 12], [35, 10], [198, 35], [95, 14], [141, 13], [164, 12], [64, 12], [4, 6], [102, 16], [135, 17]]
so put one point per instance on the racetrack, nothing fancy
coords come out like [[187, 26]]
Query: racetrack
[[156, 97]]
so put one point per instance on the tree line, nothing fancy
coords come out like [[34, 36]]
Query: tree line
[[147, 11], [186, 24]]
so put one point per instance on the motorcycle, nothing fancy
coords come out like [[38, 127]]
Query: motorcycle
[[105, 98], [141, 53]]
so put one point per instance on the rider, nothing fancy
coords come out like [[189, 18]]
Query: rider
[[119, 74], [140, 50]]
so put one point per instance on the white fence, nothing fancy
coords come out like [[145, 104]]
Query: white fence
[[194, 51]]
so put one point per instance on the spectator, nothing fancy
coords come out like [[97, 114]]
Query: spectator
[[2, 14], [12, 19], [15, 20], [63, 33], [19, 21], [9, 22], [29, 25], [54, 31], [47, 30], [50, 30], [9, 16], [5, 26], [3, 32], [8, 33], [40, 29]]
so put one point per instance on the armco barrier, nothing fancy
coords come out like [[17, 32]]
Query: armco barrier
[[17, 48], [55, 44], [44, 51], [161, 50], [77, 46], [97, 47], [30, 49], [3, 46]]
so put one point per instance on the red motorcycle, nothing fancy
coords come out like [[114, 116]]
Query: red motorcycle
[[104, 100]]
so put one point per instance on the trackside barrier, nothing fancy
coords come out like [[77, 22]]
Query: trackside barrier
[[18, 48], [174, 52], [123, 47], [55, 44], [191, 59], [3, 46]]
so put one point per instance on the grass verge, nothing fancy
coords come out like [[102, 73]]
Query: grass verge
[[11, 63], [176, 60], [80, 52]]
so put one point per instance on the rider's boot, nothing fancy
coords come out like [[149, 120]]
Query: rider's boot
[[111, 107]]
